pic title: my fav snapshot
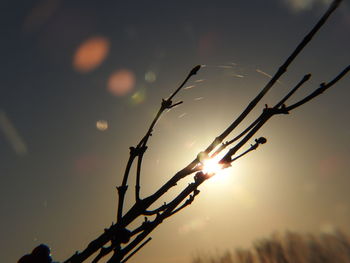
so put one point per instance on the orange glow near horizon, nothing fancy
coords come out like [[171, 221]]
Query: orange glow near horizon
[[90, 54]]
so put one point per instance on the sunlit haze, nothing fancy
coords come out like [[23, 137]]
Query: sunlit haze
[[81, 81]]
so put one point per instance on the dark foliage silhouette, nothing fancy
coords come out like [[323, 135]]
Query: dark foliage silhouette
[[40, 254], [289, 248]]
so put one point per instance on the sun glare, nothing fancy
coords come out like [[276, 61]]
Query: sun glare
[[220, 178], [214, 169], [212, 166]]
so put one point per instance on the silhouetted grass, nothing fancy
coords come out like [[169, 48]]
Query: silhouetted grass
[[290, 248]]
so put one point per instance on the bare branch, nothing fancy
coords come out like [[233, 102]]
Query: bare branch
[[261, 140], [193, 72], [279, 108], [141, 148], [104, 251], [274, 79], [166, 104], [118, 234], [323, 87], [304, 79], [123, 188], [138, 173], [155, 211], [187, 202], [136, 250]]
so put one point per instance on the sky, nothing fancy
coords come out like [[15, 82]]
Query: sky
[[81, 81]]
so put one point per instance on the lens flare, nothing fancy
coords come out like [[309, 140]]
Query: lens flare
[[150, 76], [121, 82], [102, 125], [90, 54]]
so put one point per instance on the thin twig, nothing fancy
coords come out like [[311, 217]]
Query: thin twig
[[136, 250], [166, 104], [323, 87], [304, 79], [274, 79], [103, 252], [155, 211], [118, 232], [187, 202], [253, 147], [141, 148], [280, 108], [254, 123]]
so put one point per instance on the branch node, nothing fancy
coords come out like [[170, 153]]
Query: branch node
[[282, 110], [166, 104], [122, 189], [159, 219], [195, 70], [122, 236], [273, 111], [200, 177], [133, 151], [323, 87]]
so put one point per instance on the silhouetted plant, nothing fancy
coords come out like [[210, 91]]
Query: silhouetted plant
[[124, 242], [290, 248]]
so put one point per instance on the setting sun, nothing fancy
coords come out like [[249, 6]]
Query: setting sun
[[211, 166], [214, 169]]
